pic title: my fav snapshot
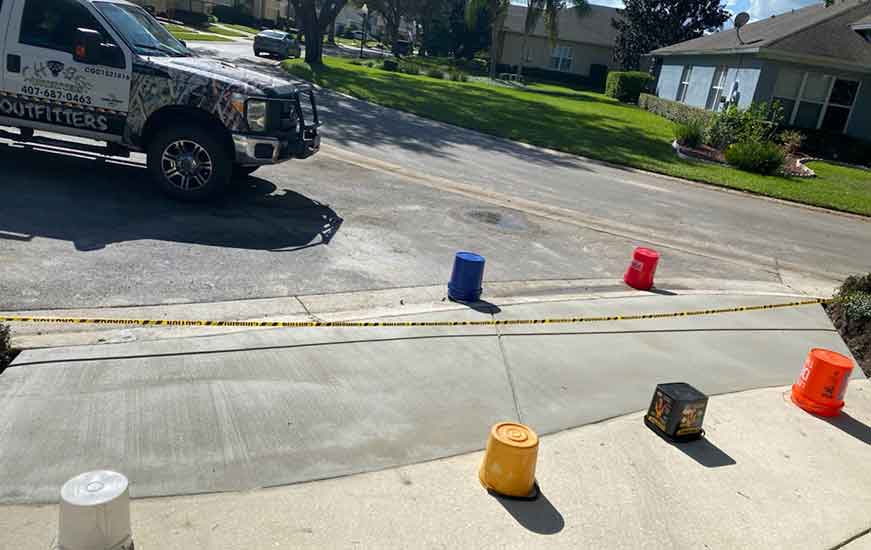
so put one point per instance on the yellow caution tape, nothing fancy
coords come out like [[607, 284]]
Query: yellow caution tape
[[404, 324]]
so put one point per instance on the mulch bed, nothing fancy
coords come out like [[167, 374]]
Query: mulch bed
[[792, 166], [855, 332]]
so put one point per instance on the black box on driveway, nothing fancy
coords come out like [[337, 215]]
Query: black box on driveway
[[677, 411]]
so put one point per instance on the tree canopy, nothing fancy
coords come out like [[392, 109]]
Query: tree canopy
[[646, 25]]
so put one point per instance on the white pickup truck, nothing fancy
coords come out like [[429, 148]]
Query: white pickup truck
[[108, 71]]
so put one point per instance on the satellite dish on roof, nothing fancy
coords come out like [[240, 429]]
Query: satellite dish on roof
[[740, 20]]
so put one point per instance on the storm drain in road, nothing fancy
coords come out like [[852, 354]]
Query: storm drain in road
[[508, 221]]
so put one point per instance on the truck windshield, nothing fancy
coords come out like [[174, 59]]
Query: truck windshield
[[142, 32]]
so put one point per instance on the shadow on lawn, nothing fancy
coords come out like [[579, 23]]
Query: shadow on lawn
[[505, 113]]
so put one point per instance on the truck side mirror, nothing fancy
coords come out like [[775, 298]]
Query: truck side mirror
[[87, 46]]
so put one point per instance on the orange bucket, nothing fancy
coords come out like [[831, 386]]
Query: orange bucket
[[823, 382], [509, 462]]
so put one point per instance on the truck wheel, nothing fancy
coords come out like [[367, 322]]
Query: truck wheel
[[189, 163], [242, 172]]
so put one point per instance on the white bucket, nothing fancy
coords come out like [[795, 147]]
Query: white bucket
[[95, 513]]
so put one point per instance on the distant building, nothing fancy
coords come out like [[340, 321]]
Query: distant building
[[351, 19], [816, 62], [585, 44], [268, 10]]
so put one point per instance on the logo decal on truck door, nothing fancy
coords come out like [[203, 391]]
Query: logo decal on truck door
[[55, 67]]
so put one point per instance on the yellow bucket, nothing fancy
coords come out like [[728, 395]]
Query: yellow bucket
[[509, 462]]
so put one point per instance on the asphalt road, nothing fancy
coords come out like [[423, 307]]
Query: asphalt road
[[385, 204]]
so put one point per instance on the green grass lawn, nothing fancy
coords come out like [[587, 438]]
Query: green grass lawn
[[226, 32], [202, 37], [187, 34], [579, 122], [243, 28], [177, 28]]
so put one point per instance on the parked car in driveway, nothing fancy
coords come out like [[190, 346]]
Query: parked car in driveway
[[278, 43]]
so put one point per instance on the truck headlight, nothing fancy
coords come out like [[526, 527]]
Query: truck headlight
[[255, 115]]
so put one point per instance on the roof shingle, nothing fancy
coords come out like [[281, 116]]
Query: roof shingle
[[815, 30]]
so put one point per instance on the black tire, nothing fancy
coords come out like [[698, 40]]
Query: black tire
[[190, 162], [242, 172]]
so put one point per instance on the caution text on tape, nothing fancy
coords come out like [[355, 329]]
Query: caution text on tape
[[403, 324]]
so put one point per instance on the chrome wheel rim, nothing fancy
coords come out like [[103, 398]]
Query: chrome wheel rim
[[186, 165]]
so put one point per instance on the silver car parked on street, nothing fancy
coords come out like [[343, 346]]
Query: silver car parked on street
[[276, 43]]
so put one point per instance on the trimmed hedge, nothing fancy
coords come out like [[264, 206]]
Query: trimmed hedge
[[229, 14], [191, 18], [555, 77], [672, 110], [626, 86]]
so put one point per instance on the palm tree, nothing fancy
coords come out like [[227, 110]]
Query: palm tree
[[498, 12]]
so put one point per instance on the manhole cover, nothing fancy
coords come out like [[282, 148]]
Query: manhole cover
[[509, 221]]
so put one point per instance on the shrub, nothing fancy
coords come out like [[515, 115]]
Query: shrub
[[536, 74], [761, 157], [213, 19], [410, 68], [858, 306], [691, 132], [626, 86], [435, 73], [734, 125], [390, 65], [191, 18], [6, 353], [237, 15], [458, 76], [672, 110], [851, 315], [791, 141]]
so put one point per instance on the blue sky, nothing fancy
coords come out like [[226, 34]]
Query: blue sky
[[758, 9]]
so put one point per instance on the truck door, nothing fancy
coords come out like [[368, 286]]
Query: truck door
[[43, 85]]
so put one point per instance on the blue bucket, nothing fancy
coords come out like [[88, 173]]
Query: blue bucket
[[467, 277]]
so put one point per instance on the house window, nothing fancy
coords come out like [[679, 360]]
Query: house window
[[815, 100], [561, 58], [685, 77], [840, 106], [717, 85]]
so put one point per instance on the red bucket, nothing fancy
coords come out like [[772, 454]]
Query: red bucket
[[823, 382], [642, 269]]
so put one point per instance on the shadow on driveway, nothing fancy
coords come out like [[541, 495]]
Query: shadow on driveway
[[93, 202]]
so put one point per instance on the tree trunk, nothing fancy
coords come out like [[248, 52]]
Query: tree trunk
[[522, 53], [331, 37], [314, 46], [496, 40]]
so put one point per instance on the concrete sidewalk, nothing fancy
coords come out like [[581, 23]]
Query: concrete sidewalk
[[768, 476], [270, 407]]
